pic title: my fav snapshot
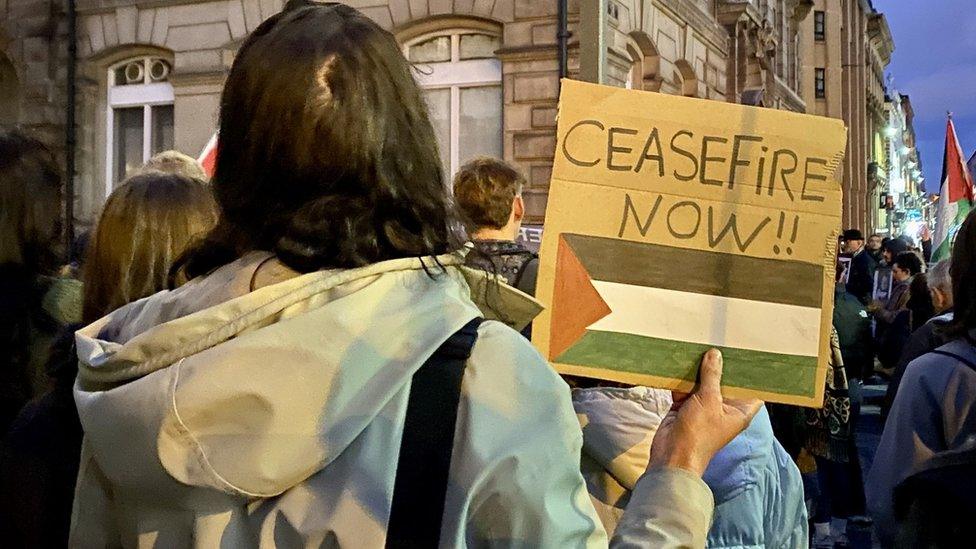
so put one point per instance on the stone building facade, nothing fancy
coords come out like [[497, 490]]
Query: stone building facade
[[150, 73], [845, 47]]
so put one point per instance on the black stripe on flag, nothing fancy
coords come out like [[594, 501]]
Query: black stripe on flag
[[699, 271]]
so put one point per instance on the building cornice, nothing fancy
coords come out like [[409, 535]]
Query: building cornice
[[880, 36], [529, 53], [713, 32], [97, 7]]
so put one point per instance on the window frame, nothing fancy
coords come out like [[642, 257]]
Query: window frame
[[477, 73], [820, 25], [147, 96], [820, 83]]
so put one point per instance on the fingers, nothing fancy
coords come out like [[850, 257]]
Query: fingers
[[710, 374]]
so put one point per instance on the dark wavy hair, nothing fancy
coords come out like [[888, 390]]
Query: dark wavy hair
[[326, 155], [962, 270], [30, 199], [30, 228]]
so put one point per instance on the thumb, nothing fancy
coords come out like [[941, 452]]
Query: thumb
[[710, 373]]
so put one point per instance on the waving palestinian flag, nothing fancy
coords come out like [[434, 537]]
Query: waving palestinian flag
[[955, 195]]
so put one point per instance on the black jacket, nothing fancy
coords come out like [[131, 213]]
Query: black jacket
[[860, 279], [39, 459], [926, 339]]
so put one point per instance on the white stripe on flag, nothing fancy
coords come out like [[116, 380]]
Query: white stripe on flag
[[710, 320]]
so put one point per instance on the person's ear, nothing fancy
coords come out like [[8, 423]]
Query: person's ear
[[518, 208]]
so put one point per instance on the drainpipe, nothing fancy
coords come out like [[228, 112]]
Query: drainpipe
[[562, 37], [70, 130]]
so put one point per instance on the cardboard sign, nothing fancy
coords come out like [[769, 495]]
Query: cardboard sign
[[675, 225]]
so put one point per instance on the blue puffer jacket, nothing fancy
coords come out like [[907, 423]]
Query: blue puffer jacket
[[757, 487]]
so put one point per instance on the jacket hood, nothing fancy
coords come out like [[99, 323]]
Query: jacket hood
[[252, 392], [619, 426]]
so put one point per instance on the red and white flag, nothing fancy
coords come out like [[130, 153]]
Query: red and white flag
[[955, 195], [208, 157]]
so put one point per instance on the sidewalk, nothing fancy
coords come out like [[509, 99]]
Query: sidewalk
[[868, 436]]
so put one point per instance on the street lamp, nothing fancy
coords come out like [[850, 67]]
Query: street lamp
[[891, 131]]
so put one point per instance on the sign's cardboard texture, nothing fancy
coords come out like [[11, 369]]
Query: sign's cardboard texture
[[675, 225]]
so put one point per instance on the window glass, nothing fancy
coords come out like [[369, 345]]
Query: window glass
[[140, 108], [478, 46], [480, 123], [128, 140], [162, 128], [439, 106], [435, 50], [463, 92]]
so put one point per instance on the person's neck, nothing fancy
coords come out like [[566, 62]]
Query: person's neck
[[505, 233]]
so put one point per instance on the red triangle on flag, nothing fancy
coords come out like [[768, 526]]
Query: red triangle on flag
[[208, 157], [575, 302]]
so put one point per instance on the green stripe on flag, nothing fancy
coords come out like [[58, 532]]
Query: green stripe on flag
[[777, 373]]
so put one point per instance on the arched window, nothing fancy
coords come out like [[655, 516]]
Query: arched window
[[635, 79], [140, 115], [685, 79], [645, 65], [462, 82]]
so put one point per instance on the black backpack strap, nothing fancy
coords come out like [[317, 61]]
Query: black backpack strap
[[962, 359], [518, 277], [428, 442]]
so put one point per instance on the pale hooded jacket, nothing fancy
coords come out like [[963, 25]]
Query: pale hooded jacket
[[756, 485], [216, 416]]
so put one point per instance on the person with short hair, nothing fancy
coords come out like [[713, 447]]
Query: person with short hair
[[891, 248], [873, 247], [904, 267], [860, 278], [488, 192], [940, 286], [894, 318]]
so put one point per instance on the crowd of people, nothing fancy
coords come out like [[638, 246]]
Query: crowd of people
[[326, 344]]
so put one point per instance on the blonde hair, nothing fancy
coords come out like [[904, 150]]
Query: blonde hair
[[174, 162], [146, 224]]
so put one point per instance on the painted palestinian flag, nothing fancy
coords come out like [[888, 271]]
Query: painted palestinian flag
[[622, 305]]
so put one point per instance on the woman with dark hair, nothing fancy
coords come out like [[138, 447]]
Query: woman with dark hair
[[934, 412], [145, 224], [325, 377], [30, 221], [893, 316], [920, 301]]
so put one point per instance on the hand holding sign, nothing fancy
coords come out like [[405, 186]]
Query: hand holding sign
[[700, 424], [675, 225]]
